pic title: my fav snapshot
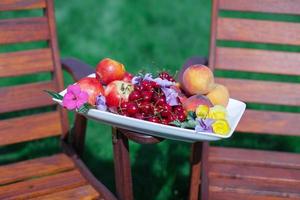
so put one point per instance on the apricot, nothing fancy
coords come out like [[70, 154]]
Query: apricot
[[191, 103], [197, 79], [219, 95]]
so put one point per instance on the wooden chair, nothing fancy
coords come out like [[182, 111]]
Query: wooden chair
[[60, 176], [235, 173]]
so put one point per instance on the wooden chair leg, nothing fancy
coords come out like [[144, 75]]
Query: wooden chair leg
[[204, 185], [198, 174], [78, 132], [122, 166]]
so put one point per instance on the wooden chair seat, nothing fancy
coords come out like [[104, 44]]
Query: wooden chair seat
[[253, 174], [53, 177]]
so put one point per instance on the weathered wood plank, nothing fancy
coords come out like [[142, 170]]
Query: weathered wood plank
[[267, 6], [267, 92], [258, 31], [31, 127], [277, 123], [25, 62], [42, 186], [86, 192], [24, 30], [35, 168], [261, 61], [7, 5], [26, 96], [254, 157], [260, 173], [218, 194]]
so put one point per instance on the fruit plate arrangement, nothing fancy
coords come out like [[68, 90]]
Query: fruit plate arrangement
[[193, 109]]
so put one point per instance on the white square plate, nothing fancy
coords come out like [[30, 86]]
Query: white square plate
[[235, 110]]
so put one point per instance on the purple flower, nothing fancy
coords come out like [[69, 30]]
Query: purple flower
[[204, 125], [148, 77], [136, 79], [101, 103], [163, 82], [171, 96], [74, 98]]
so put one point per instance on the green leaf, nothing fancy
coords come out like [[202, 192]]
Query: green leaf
[[54, 94], [84, 108], [191, 115], [176, 123]]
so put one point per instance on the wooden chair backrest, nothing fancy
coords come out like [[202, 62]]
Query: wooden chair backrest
[[264, 61], [18, 63]]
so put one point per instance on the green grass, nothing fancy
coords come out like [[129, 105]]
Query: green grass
[[144, 35]]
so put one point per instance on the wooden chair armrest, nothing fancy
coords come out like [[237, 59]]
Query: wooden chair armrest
[[76, 68]]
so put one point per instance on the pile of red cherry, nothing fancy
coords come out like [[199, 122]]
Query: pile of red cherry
[[148, 102]]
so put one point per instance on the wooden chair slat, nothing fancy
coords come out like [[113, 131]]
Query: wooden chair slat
[[255, 188], [31, 127], [7, 5], [277, 123], [42, 186], [282, 7], [261, 61], [25, 62], [267, 92], [26, 96], [254, 157], [258, 31], [35, 167], [267, 174], [24, 30], [83, 192]]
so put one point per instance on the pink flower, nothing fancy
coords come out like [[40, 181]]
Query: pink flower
[[74, 98]]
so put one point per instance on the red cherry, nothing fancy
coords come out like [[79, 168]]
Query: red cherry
[[147, 85], [139, 116], [171, 118], [146, 108], [147, 96], [161, 101], [132, 108], [154, 119], [178, 109], [181, 117], [139, 88], [154, 84], [134, 95], [166, 107], [165, 113], [164, 121], [124, 106], [167, 76]]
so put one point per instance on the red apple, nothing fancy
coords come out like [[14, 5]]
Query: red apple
[[91, 86], [117, 92], [127, 77], [109, 70]]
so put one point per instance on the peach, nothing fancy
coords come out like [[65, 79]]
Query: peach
[[194, 101], [109, 70], [197, 79], [219, 95]]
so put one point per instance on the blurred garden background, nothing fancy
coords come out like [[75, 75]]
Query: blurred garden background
[[147, 35]]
